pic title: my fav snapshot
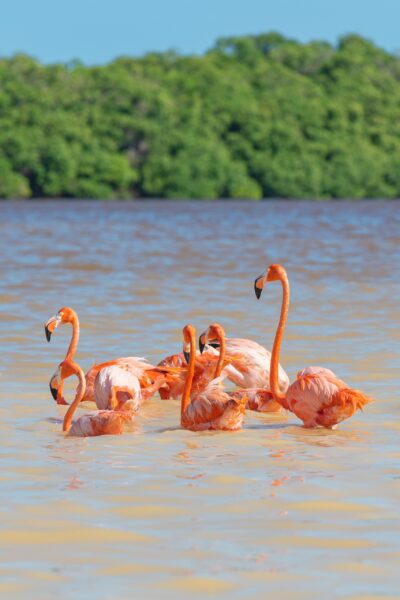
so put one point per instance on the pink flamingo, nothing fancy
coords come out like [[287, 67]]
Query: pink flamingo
[[205, 367], [211, 407], [150, 377], [102, 422], [317, 396], [250, 369], [116, 387], [206, 364]]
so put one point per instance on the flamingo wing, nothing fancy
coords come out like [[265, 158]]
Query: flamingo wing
[[175, 360], [203, 373], [120, 380], [259, 400], [136, 365], [173, 389], [318, 397], [251, 365], [212, 408], [91, 375], [104, 422], [311, 371]]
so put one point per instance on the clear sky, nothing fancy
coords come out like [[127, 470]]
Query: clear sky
[[96, 31]]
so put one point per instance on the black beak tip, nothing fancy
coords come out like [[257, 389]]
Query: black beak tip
[[48, 334], [201, 343], [53, 392], [257, 290], [187, 356]]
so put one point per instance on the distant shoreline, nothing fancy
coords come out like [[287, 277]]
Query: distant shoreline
[[194, 200], [260, 116]]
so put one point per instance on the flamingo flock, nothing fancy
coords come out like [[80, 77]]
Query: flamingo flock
[[197, 377]]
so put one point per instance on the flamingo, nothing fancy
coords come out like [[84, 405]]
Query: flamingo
[[317, 396], [101, 422], [249, 369], [205, 367], [64, 315], [115, 387], [150, 377], [211, 407]]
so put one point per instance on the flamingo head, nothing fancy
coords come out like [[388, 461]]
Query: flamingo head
[[64, 370], [64, 315], [273, 273], [189, 341], [212, 337]]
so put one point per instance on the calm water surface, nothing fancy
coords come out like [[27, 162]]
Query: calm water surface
[[165, 513]]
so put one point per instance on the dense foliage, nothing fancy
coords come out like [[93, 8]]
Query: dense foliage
[[257, 116]]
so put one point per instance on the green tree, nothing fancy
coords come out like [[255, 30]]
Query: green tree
[[255, 116]]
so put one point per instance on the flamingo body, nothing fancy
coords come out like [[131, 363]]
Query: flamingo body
[[250, 366], [138, 367], [173, 390], [259, 400], [118, 383], [203, 372], [102, 422], [214, 409], [319, 398]]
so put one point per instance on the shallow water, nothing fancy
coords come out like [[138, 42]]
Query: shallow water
[[166, 513]]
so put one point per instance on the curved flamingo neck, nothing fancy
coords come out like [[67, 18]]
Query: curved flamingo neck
[[80, 392], [222, 350], [189, 377], [274, 368], [74, 339]]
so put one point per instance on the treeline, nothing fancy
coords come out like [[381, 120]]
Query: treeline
[[257, 116]]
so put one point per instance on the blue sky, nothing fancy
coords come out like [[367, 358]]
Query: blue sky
[[96, 31]]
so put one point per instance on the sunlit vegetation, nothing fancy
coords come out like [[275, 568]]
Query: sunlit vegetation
[[257, 116]]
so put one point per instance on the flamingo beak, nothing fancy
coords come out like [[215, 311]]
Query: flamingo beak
[[51, 325], [54, 386], [258, 286], [202, 342], [186, 352]]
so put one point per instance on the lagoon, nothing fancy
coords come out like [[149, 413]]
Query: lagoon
[[165, 513]]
